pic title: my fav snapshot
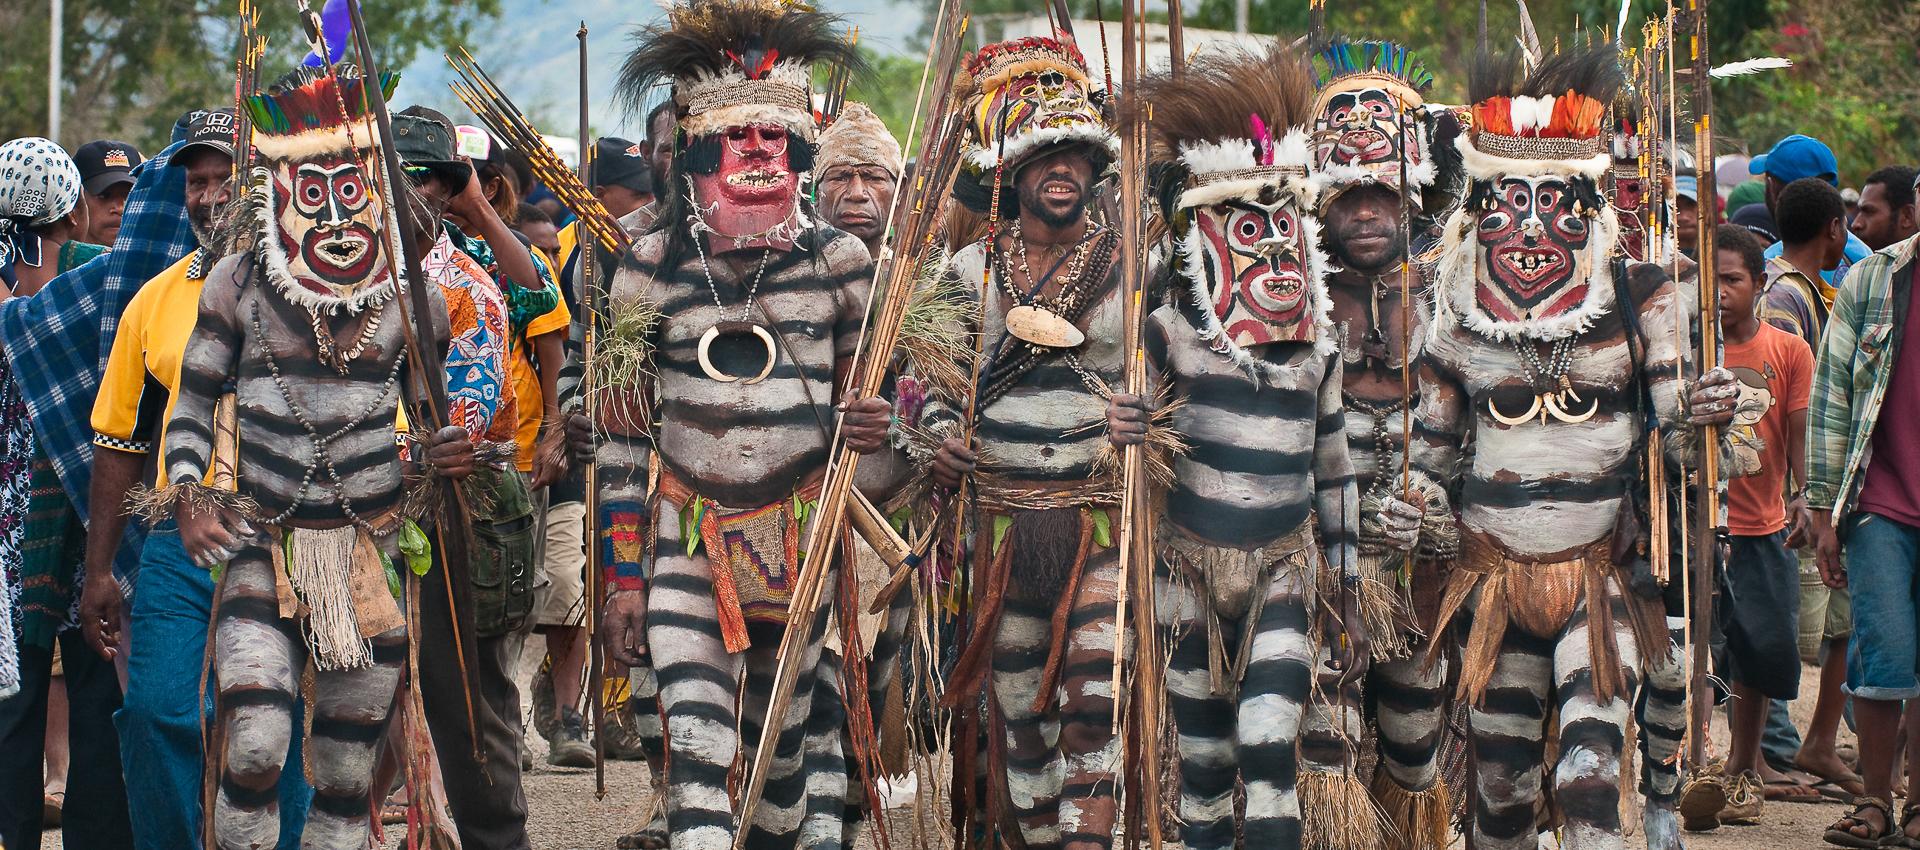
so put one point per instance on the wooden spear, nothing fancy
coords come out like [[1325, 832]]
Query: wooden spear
[[451, 531], [917, 212], [589, 246], [1136, 525], [1707, 493]]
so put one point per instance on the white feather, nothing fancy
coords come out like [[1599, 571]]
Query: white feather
[[1750, 66], [1620, 29]]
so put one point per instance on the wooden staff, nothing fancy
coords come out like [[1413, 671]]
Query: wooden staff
[[596, 587], [451, 531], [1707, 493], [917, 212], [1136, 522]]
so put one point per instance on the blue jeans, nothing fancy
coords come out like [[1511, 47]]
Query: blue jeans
[[1883, 560], [159, 720]]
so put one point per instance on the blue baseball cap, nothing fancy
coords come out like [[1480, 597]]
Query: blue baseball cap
[[1687, 186], [1797, 156]]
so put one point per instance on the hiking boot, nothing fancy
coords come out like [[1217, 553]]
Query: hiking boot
[[1702, 796], [545, 719], [569, 740], [1744, 796], [622, 735]]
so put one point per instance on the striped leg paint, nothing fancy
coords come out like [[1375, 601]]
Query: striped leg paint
[[1062, 761], [1273, 698], [707, 717], [1203, 724], [1508, 733], [1410, 707], [257, 661], [1662, 714]]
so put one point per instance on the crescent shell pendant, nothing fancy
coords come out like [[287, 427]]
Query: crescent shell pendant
[[1563, 414], [1041, 326], [1504, 419], [706, 360]]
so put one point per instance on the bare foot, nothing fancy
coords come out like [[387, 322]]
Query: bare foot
[[1827, 764]]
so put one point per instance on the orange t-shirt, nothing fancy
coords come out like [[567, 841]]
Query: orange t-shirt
[[1774, 372]]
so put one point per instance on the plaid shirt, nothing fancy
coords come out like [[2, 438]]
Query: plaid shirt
[[1850, 377], [58, 339]]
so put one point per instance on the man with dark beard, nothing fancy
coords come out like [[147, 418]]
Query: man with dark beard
[[1043, 545], [160, 720]]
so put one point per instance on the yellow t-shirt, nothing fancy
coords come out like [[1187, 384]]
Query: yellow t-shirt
[[569, 238], [136, 392], [530, 403]]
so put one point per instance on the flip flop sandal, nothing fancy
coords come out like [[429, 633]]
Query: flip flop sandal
[[1789, 791], [1834, 791], [1841, 833], [1898, 837]]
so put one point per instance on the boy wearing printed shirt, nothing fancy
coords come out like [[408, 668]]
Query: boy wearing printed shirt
[[1774, 370]]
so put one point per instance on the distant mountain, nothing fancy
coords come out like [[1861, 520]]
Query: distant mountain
[[530, 50]]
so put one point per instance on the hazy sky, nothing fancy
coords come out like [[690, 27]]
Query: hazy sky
[[531, 52]]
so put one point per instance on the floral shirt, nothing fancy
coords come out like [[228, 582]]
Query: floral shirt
[[479, 396], [523, 304]]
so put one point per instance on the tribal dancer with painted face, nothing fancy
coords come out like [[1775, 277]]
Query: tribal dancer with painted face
[[305, 330], [1636, 184], [1258, 577], [743, 315], [1036, 653], [1552, 359], [1380, 174]]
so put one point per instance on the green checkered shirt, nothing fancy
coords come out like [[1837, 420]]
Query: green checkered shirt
[[1854, 366]]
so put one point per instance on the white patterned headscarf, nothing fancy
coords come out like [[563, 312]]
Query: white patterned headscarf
[[39, 184]]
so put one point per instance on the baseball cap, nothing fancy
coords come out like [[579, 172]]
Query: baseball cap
[[209, 129], [1755, 218], [105, 163], [425, 139], [1687, 186], [619, 162], [1795, 157]]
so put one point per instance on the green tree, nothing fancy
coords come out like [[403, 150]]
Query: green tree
[[132, 67]]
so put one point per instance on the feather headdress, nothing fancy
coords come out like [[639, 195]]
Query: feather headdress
[[1551, 120], [1232, 123], [1352, 143], [737, 62], [312, 111], [1006, 126]]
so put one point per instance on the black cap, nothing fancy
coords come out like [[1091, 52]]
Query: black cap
[[209, 129], [424, 138], [105, 164], [618, 162]]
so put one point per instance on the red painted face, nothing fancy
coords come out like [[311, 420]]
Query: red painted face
[[1531, 240], [1260, 251], [1629, 196], [754, 190], [328, 217]]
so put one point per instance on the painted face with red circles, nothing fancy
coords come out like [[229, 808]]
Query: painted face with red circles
[[1533, 234], [1252, 258], [328, 216]]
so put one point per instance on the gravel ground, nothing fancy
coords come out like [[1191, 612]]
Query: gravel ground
[[565, 815]]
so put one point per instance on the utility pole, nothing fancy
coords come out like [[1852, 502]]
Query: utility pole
[[1240, 15], [54, 74]]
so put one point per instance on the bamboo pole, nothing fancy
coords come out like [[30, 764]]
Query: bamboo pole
[[916, 210], [1136, 527], [1707, 493]]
